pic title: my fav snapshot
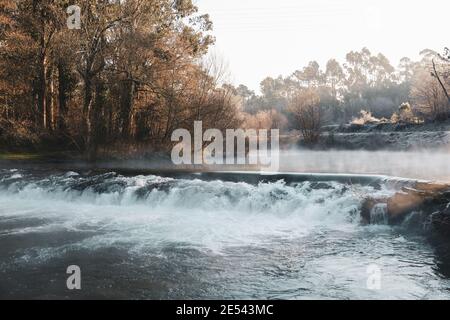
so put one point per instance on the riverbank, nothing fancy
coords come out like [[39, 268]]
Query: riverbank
[[385, 136]]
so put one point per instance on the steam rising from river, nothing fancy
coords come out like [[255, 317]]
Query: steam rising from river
[[426, 164]]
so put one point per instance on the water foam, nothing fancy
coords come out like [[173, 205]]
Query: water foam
[[150, 211]]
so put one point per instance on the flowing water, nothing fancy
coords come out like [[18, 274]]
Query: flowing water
[[156, 237]]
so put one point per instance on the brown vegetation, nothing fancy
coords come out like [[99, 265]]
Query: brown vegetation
[[130, 75], [305, 108], [136, 71]]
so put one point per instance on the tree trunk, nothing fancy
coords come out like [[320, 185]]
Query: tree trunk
[[87, 123], [441, 83], [62, 97], [126, 106], [51, 103], [42, 93]]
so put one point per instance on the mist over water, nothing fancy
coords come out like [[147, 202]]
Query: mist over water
[[420, 164], [163, 238]]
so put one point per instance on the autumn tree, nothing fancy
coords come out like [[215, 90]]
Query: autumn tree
[[305, 108], [427, 95], [443, 78], [334, 77], [130, 75], [429, 90]]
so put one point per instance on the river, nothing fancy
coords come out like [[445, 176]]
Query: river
[[149, 236]]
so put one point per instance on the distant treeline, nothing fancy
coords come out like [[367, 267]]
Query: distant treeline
[[363, 82]]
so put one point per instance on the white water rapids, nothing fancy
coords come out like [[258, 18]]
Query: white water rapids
[[148, 236]]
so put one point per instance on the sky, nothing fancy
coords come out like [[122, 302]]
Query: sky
[[260, 38]]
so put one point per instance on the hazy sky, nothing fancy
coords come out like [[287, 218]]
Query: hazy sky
[[260, 38]]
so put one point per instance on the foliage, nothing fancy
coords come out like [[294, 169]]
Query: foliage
[[363, 82], [132, 73], [305, 108], [366, 117]]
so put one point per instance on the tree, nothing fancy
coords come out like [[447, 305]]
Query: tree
[[446, 60], [427, 96], [305, 108], [130, 74], [29, 27], [310, 76], [406, 69], [429, 93], [335, 77]]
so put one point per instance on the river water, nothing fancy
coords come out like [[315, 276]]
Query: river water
[[172, 237]]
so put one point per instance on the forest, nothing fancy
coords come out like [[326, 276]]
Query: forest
[[137, 70], [365, 87]]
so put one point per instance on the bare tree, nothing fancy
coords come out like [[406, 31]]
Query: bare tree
[[436, 75], [305, 108], [427, 96], [445, 59]]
